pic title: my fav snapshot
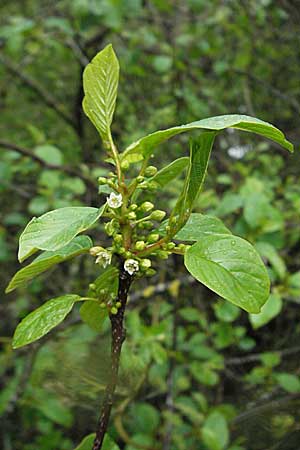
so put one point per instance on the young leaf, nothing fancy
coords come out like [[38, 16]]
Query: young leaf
[[147, 144], [232, 268], [43, 319], [56, 229], [269, 311], [200, 150], [100, 84], [171, 171], [200, 225], [79, 245]]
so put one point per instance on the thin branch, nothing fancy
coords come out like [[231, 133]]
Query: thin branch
[[117, 338], [26, 152], [38, 89], [257, 356]]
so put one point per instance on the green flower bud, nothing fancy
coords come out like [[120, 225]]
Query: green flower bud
[[125, 165], [111, 227], [128, 255], [146, 225], [131, 215], [122, 250], [162, 254], [114, 310], [102, 305], [92, 286], [150, 171], [102, 180], [158, 215], [133, 207], [118, 304], [118, 239], [146, 207], [140, 245], [152, 185], [153, 237], [170, 245], [112, 174], [145, 264], [140, 179]]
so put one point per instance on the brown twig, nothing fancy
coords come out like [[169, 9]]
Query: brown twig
[[117, 338], [26, 152]]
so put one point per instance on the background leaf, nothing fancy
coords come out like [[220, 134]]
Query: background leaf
[[270, 310]]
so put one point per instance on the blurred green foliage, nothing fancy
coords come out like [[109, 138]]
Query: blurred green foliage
[[197, 373]]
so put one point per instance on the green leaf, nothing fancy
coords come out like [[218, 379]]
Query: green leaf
[[79, 245], [49, 154], [289, 382], [215, 433], [56, 229], [146, 145], [93, 315], [171, 171], [270, 310], [43, 319], [270, 253], [100, 84], [200, 225], [232, 268], [87, 443], [199, 156]]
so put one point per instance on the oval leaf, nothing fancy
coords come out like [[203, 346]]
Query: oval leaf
[[43, 319], [56, 229], [145, 145], [200, 225], [100, 84], [79, 245], [232, 268]]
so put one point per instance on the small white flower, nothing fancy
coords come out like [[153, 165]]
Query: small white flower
[[114, 200], [104, 259], [131, 266]]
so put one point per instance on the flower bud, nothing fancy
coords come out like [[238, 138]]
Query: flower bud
[[118, 239], [92, 286], [140, 245], [102, 180], [150, 171], [170, 245], [140, 179], [145, 264], [95, 250], [158, 215], [103, 305], [152, 185], [118, 304], [114, 310], [131, 215], [162, 254], [110, 227], [133, 207], [153, 237], [125, 165], [146, 207]]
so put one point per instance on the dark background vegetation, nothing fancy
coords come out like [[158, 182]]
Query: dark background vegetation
[[196, 373]]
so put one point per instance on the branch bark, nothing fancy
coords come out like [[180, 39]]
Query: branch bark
[[117, 338]]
